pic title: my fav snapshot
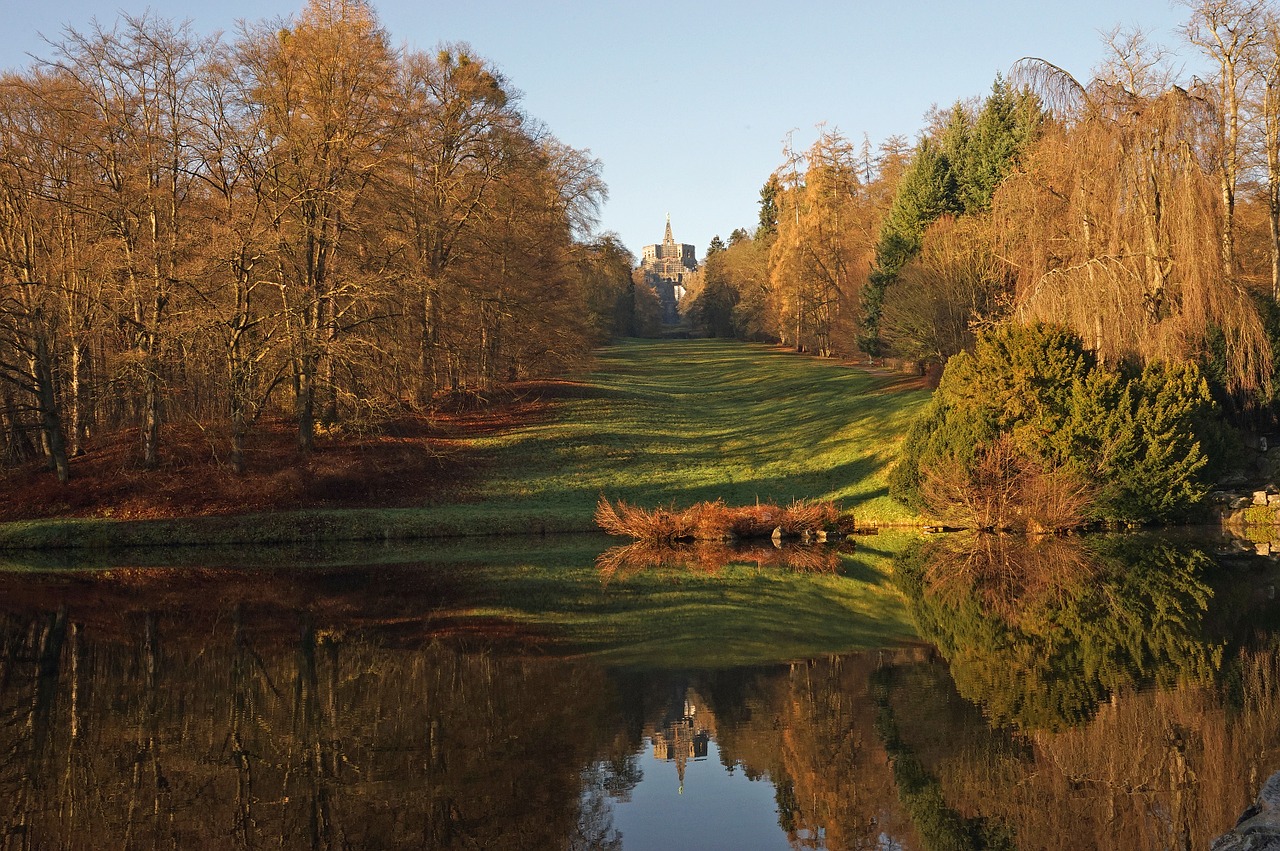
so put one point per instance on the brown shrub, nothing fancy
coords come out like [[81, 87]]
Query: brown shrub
[[1006, 490]]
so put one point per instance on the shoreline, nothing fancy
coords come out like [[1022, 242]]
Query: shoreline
[[307, 526]]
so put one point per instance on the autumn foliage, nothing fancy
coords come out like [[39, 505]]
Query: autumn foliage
[[299, 222]]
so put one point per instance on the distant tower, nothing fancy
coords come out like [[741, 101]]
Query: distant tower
[[665, 266]]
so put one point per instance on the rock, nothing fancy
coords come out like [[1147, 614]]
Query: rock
[[820, 536], [776, 537], [1241, 502], [1259, 826], [1263, 549], [1273, 499], [1259, 497]]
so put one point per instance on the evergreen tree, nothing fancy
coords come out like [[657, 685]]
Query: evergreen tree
[[954, 141], [769, 207], [1000, 133], [927, 191], [1030, 416]]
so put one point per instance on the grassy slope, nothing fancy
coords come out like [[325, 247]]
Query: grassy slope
[[658, 422], [685, 421]]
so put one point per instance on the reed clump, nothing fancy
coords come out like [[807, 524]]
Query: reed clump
[[716, 521]]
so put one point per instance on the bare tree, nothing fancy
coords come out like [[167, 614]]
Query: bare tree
[[1229, 32], [134, 85], [319, 93], [1267, 59]]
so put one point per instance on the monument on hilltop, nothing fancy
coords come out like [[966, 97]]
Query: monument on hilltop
[[665, 265]]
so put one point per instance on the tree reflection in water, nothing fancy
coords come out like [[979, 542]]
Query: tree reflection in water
[[710, 556], [1041, 631], [1110, 696], [1126, 708]]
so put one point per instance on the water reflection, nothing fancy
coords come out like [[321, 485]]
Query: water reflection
[[1129, 685], [1131, 698], [1041, 632], [711, 556], [167, 732]]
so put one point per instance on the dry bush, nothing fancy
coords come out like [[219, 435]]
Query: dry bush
[[658, 524], [1054, 499], [809, 516], [755, 521], [985, 495], [715, 521], [1006, 489], [710, 521]]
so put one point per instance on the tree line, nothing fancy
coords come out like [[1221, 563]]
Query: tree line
[[297, 221], [1136, 208]]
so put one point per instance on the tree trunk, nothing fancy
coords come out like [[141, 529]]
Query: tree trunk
[[55, 446], [1271, 134], [1273, 218], [17, 445], [305, 393], [151, 418], [79, 401], [427, 379]]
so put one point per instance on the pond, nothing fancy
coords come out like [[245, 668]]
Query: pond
[[952, 693]]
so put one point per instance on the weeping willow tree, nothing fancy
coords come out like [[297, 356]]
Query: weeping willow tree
[[1114, 228]]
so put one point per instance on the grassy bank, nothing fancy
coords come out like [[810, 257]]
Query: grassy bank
[[657, 422]]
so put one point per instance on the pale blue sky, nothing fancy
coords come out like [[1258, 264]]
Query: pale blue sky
[[688, 103]]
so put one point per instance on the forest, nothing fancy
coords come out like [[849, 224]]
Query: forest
[[1137, 209], [299, 222], [1091, 267], [303, 225]]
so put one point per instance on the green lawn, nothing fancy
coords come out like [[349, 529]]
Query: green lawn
[[657, 422], [683, 421]]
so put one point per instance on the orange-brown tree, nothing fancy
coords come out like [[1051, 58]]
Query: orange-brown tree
[[1114, 225]]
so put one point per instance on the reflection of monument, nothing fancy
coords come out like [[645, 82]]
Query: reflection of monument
[[665, 264], [681, 739]]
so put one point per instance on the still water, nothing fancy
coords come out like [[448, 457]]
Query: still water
[[1122, 693]]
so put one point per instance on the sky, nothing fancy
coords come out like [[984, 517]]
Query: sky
[[688, 104]]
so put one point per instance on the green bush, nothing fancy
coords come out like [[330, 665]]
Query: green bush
[[1031, 415]]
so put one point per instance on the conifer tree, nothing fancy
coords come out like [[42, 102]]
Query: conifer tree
[[928, 190]]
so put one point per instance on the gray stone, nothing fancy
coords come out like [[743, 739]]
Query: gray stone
[[1241, 502], [1259, 826]]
